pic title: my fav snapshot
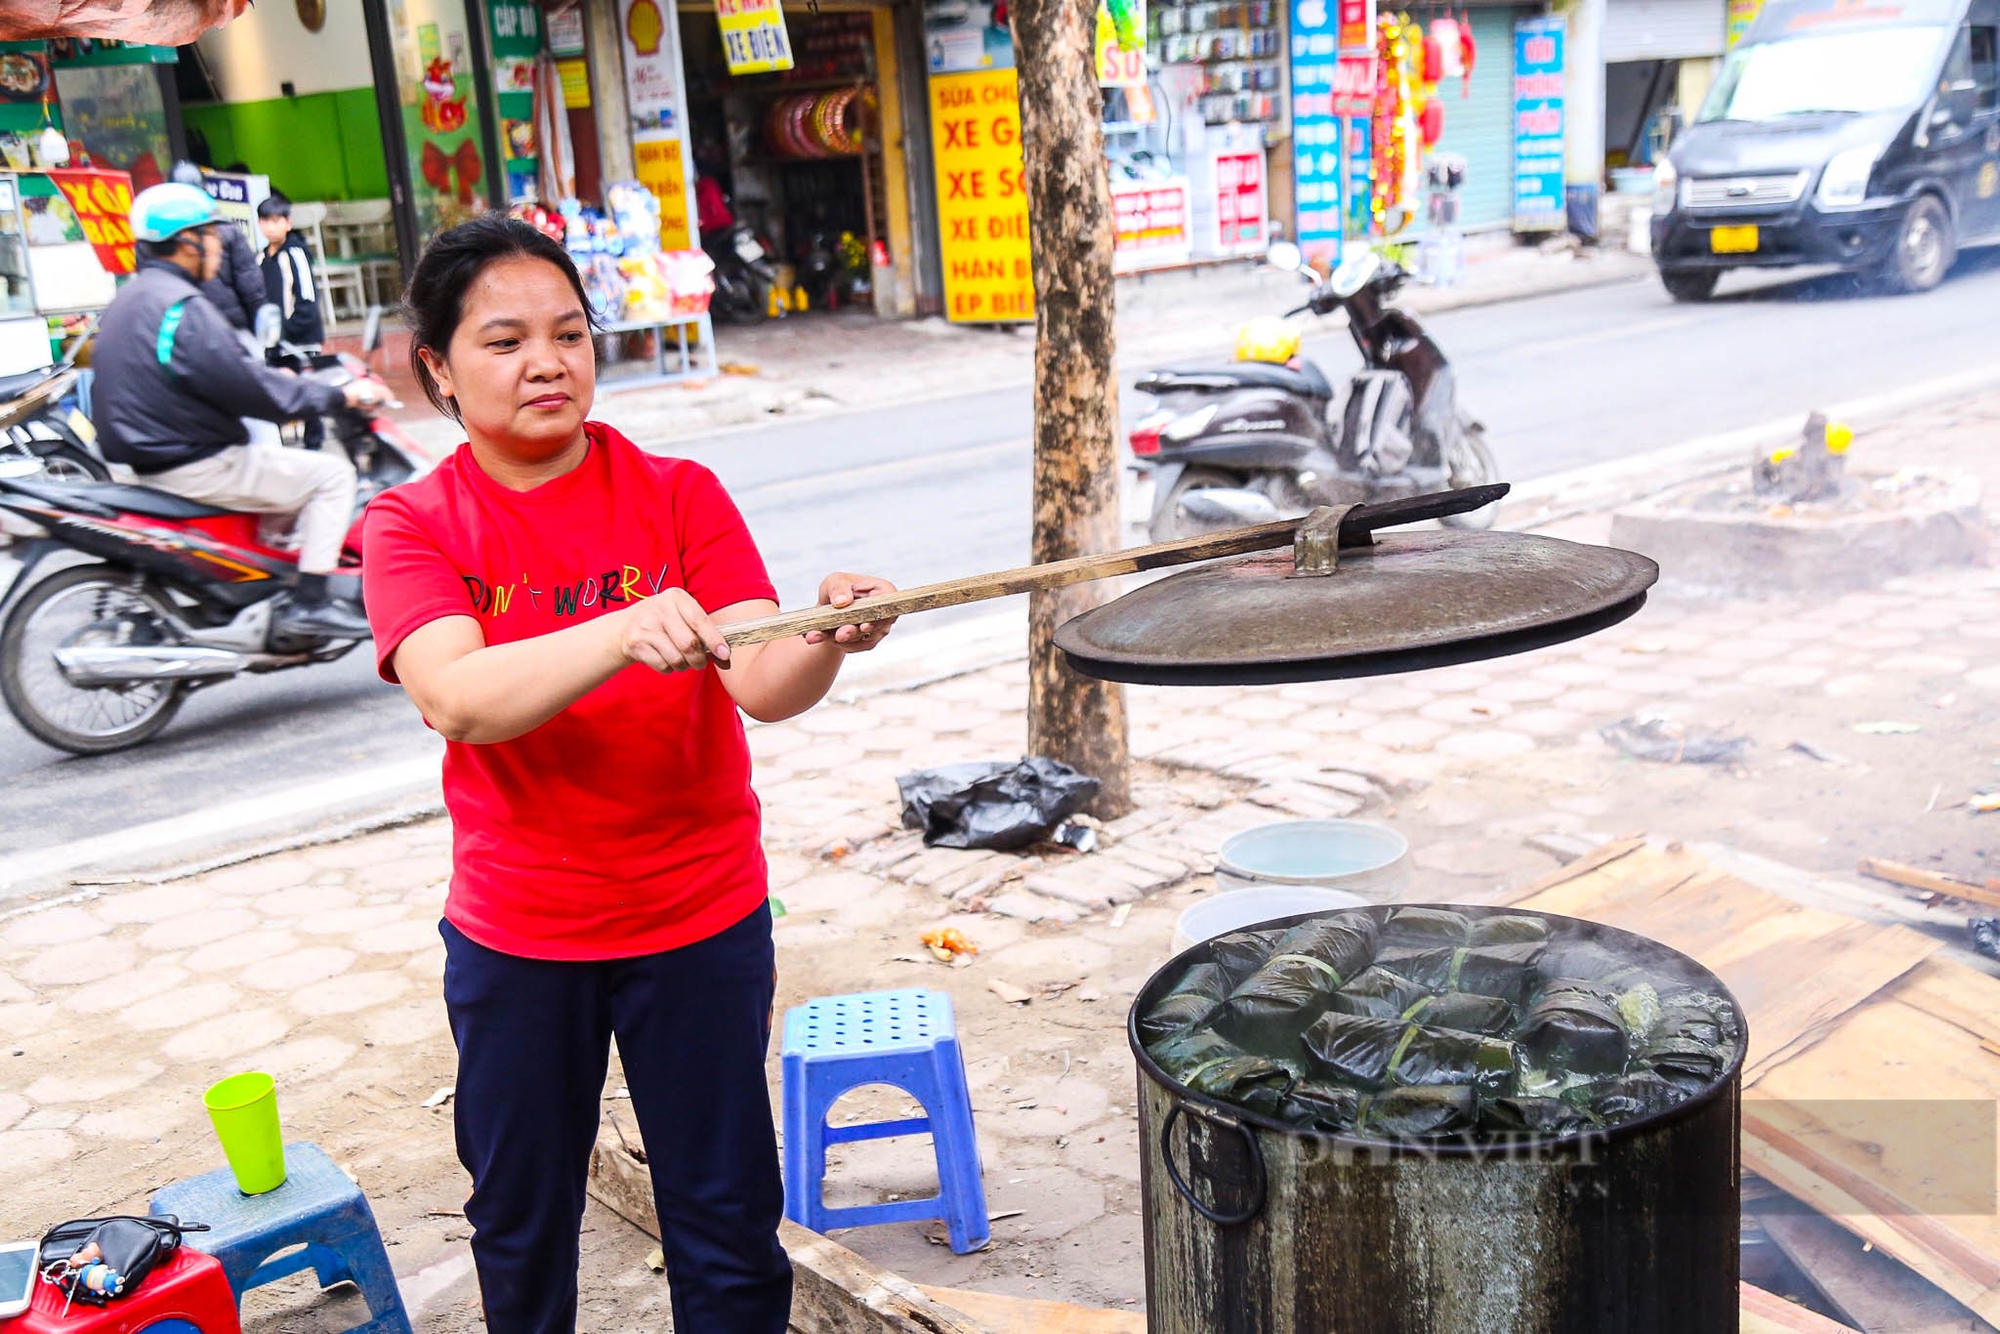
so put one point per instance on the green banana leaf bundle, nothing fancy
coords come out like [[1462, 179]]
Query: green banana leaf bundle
[[1377, 1054]]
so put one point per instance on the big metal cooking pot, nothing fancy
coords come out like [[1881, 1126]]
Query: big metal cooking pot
[[1253, 1226]]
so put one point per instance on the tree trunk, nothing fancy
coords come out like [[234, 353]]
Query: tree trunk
[[1070, 718]]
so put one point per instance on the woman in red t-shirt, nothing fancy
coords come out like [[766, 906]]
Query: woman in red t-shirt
[[552, 599]]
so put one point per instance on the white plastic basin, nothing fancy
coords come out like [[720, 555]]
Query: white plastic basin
[[1358, 856], [1220, 915]]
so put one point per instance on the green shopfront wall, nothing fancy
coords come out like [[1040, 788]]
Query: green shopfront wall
[[316, 146]]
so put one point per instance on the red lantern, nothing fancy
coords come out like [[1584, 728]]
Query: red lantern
[[1433, 60], [1431, 122], [1469, 52]]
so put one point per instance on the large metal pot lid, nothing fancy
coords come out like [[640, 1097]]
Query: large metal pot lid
[[1410, 601]]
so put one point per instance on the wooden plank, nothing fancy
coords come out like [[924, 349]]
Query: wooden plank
[[1914, 877], [834, 1291], [1766, 1313], [1794, 968], [1958, 995], [1584, 866], [1885, 1126], [1026, 1315], [1873, 1292]]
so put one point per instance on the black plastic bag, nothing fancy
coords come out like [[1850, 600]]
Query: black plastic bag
[[993, 805], [1380, 1053], [1576, 1026], [1189, 1002]]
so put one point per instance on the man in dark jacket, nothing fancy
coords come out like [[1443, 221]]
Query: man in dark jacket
[[237, 289], [174, 384]]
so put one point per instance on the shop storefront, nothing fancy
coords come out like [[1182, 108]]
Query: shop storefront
[[1380, 99], [1659, 57], [1192, 95], [815, 157], [114, 105], [64, 242]]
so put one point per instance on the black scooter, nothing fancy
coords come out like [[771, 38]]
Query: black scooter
[[744, 272], [1251, 442]]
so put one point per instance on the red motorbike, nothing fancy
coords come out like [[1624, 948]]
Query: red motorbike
[[174, 595]]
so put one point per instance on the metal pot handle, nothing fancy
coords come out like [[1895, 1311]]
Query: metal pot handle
[[1258, 1181]]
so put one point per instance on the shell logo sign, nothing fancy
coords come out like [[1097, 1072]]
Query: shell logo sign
[[645, 26]]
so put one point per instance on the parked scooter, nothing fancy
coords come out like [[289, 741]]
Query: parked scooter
[[40, 426], [1265, 438], [177, 595], [744, 272]]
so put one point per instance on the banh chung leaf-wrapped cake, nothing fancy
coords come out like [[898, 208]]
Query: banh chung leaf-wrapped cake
[[1380, 1053], [1426, 1023], [1307, 965], [1193, 999]]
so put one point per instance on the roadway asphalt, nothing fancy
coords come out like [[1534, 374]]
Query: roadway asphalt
[[927, 491]]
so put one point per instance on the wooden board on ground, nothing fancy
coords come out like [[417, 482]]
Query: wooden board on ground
[[1794, 968], [1027, 1315], [1873, 1293], [1764, 1313], [834, 1291], [1886, 1125]]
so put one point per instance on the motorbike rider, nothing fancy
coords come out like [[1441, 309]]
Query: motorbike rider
[[237, 288], [174, 384]]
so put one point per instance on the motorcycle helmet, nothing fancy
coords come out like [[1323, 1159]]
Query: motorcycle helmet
[[1267, 338], [185, 173], [161, 211]]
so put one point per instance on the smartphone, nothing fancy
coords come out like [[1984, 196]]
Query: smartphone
[[17, 1276]]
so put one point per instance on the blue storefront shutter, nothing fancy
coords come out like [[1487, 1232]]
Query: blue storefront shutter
[[1479, 117]]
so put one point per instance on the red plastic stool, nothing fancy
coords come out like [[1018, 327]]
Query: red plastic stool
[[187, 1295]]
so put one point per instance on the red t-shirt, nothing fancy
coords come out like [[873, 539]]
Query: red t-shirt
[[624, 825]]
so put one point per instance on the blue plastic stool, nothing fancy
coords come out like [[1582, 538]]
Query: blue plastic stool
[[901, 1038], [317, 1207]]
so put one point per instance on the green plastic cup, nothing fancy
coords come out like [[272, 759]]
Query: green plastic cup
[[244, 1109]]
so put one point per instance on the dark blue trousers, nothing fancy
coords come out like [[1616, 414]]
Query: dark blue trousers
[[692, 1026]]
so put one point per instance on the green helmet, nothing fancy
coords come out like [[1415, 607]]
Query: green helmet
[[162, 211]]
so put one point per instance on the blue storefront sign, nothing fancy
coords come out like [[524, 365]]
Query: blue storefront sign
[[1316, 158], [1538, 124]]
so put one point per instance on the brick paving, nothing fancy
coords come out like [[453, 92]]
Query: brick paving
[[119, 1004]]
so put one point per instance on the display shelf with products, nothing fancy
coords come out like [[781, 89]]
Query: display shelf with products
[[1240, 47], [798, 155]]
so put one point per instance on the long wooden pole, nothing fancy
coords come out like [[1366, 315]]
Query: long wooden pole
[[1106, 565], [1026, 579]]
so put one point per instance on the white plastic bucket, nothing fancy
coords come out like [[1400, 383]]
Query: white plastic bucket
[[1358, 856], [1223, 913]]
